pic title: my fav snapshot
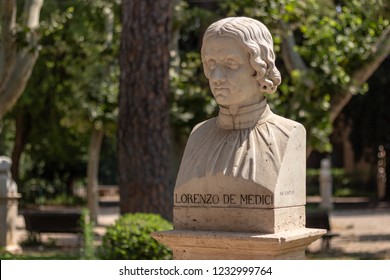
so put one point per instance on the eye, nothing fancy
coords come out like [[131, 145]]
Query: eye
[[211, 64], [232, 64]]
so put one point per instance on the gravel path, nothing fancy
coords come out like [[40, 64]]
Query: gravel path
[[361, 232]]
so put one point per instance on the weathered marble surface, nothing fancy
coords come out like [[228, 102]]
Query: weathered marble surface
[[247, 164], [240, 191]]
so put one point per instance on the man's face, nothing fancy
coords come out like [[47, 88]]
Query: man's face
[[231, 77]]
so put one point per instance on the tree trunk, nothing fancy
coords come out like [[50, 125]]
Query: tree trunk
[[16, 63], [22, 130], [93, 172], [143, 133]]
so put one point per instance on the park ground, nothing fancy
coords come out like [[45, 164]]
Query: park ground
[[362, 228]]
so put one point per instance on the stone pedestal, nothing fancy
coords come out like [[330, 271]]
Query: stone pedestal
[[8, 215], [214, 245], [239, 219], [8, 208]]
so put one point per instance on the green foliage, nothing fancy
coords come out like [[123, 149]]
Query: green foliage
[[108, 162], [43, 192], [343, 184], [129, 238], [191, 99], [340, 179], [88, 249], [42, 255], [73, 89], [61, 199], [93, 68], [7, 134], [33, 239], [333, 40]]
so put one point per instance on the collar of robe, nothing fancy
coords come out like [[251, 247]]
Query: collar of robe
[[244, 117]]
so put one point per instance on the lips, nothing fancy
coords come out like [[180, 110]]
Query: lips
[[219, 92], [220, 88]]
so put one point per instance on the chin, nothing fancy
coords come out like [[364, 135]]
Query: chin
[[222, 101]]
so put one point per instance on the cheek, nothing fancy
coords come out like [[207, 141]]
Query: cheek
[[235, 78], [239, 81], [211, 85]]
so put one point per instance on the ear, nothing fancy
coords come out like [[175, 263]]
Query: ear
[[267, 86]]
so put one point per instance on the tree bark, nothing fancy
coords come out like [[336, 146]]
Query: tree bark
[[23, 127], [143, 133], [7, 50], [16, 66], [93, 172]]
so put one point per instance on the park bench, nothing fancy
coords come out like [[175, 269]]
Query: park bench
[[108, 190], [52, 220], [320, 219]]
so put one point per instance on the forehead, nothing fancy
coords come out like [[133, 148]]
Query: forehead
[[221, 46]]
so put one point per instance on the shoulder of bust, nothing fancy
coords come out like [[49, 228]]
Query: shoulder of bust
[[287, 126], [205, 125]]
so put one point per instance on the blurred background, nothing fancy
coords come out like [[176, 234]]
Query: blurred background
[[97, 98]]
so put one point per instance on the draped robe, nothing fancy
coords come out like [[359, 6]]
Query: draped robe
[[246, 167]]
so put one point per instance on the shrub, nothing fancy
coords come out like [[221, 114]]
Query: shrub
[[129, 238]]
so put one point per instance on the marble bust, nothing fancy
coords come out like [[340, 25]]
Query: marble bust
[[245, 168]]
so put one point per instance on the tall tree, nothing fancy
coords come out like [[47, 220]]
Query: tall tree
[[98, 129], [143, 132], [75, 82], [18, 50]]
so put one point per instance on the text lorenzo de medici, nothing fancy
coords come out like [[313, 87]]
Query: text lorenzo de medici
[[224, 199]]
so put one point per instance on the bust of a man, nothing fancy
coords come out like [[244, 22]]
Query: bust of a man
[[247, 158]]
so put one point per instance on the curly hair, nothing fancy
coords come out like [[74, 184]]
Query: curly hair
[[256, 37]]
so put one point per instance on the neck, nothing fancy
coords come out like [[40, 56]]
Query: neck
[[243, 117]]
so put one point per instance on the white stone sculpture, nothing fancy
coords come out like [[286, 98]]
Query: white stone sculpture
[[240, 191], [247, 157]]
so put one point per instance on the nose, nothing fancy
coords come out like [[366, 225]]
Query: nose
[[218, 74]]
